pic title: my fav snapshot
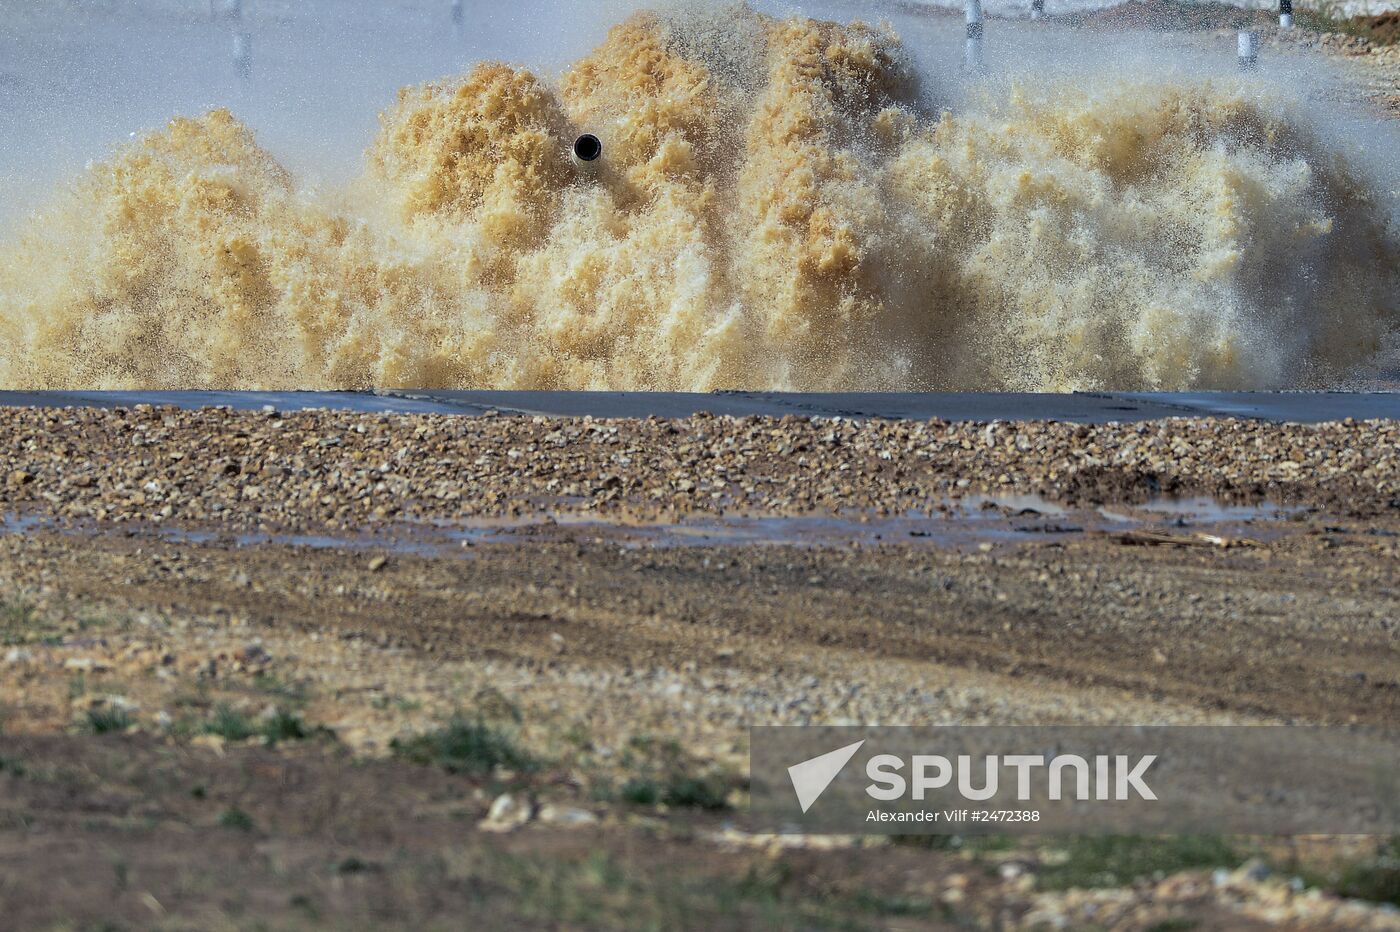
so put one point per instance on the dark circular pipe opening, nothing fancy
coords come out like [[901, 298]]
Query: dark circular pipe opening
[[588, 148]]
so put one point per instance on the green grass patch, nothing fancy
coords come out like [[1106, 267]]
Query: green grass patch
[[1114, 861], [1375, 879], [236, 818], [108, 721], [975, 844], [1378, 882], [283, 726], [353, 865], [665, 775], [1175, 924], [230, 725], [677, 792], [17, 621], [293, 694], [641, 792], [12, 765], [599, 890], [465, 747], [22, 625], [884, 905]]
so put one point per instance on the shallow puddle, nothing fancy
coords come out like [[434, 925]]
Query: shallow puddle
[[1207, 511], [973, 522]]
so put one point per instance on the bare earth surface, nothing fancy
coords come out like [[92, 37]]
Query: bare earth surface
[[361, 671], [1373, 67]]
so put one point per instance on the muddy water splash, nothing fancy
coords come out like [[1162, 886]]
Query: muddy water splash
[[776, 209]]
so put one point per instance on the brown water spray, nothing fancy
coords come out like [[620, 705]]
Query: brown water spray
[[772, 208]]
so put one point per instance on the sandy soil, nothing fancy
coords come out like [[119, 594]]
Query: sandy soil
[[372, 722]]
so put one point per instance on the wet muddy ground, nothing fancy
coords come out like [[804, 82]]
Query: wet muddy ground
[[532, 708]]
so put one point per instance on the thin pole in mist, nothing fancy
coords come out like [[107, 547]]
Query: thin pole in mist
[[972, 57], [1248, 50], [1285, 14], [231, 11], [243, 55], [459, 18]]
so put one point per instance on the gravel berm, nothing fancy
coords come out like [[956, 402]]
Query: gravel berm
[[336, 470]]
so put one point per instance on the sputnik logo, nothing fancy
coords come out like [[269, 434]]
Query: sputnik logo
[[811, 777]]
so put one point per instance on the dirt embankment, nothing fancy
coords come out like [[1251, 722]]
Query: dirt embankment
[[323, 470], [1172, 16]]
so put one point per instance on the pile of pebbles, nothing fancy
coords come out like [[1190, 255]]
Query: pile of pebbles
[[339, 470]]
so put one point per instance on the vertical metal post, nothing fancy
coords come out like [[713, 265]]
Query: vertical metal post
[[972, 57], [242, 55], [241, 45], [1249, 50]]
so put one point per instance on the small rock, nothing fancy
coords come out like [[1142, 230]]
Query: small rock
[[1255, 870], [507, 813], [1011, 870], [378, 563], [211, 742], [252, 656], [566, 816], [84, 665]]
